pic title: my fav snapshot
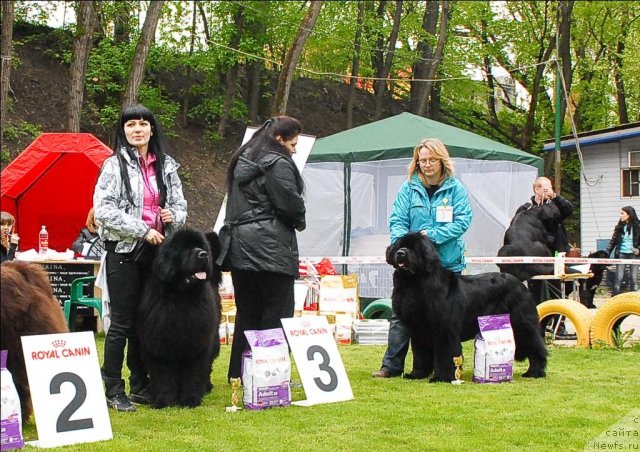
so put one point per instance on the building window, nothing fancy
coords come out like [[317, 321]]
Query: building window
[[630, 183]]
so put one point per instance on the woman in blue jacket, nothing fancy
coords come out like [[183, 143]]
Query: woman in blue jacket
[[435, 203]]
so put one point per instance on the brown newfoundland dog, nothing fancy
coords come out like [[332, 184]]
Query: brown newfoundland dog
[[27, 307], [441, 309]]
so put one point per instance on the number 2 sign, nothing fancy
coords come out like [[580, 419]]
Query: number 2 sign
[[66, 389], [315, 352]]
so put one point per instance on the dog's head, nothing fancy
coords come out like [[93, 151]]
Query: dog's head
[[413, 253], [548, 214], [186, 257], [597, 269]]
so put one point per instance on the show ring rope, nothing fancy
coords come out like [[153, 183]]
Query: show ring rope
[[341, 260]]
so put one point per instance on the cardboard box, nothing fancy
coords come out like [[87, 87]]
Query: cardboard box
[[339, 293]]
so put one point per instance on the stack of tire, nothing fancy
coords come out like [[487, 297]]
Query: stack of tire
[[592, 328]]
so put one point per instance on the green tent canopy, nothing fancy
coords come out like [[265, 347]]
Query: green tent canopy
[[352, 179], [397, 136]]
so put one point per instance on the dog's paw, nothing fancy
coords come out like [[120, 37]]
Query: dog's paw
[[441, 379], [416, 375], [534, 374], [190, 400]]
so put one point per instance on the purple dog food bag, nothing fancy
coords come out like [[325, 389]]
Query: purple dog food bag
[[266, 370], [494, 350], [11, 417]]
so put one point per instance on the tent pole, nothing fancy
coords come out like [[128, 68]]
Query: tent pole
[[346, 233], [558, 118]]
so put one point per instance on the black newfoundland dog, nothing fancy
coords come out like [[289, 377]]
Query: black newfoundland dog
[[179, 319], [527, 236], [441, 309], [588, 287]]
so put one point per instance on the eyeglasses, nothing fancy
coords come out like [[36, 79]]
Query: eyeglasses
[[429, 161]]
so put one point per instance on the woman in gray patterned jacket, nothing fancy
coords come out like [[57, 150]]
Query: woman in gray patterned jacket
[[137, 200]]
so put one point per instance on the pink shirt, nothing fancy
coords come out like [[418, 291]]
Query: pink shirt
[[150, 206]]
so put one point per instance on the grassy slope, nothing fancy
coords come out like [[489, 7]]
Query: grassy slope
[[586, 392]]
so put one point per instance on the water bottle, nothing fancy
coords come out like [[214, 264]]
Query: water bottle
[[43, 241]]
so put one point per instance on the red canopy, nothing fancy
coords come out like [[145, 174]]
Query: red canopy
[[51, 183]]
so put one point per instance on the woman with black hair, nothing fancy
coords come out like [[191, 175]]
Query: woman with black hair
[[137, 200], [625, 244], [264, 209]]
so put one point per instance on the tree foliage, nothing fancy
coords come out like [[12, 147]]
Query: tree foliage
[[486, 66]]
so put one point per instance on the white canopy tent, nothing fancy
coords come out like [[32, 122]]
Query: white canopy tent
[[352, 179]]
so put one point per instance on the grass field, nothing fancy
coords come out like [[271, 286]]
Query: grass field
[[586, 393]]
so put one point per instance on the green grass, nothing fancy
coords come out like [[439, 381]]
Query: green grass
[[585, 393]]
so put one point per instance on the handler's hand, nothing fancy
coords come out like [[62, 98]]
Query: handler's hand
[[549, 194], [154, 237], [15, 238], [165, 215]]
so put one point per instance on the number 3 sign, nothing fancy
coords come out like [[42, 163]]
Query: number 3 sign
[[66, 389], [316, 355]]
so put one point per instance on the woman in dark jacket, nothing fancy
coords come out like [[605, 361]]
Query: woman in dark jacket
[[10, 239], [264, 209], [626, 243]]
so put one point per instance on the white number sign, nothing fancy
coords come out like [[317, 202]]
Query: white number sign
[[66, 389], [315, 352]]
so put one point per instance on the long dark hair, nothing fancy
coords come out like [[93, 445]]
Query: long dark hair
[[157, 146], [264, 141], [633, 219]]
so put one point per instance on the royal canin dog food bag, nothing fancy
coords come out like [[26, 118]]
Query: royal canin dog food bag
[[494, 350], [11, 415], [266, 370]]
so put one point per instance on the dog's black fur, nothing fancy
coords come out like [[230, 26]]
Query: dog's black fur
[[179, 319], [441, 309], [588, 287], [527, 236]]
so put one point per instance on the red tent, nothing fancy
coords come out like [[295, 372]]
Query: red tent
[[51, 183]]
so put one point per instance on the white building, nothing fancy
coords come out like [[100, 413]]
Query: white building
[[610, 179]]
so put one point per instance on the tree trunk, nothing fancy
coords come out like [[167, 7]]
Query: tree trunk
[[136, 75], [82, 42], [535, 89], [254, 75], [437, 58], [621, 97], [355, 65], [564, 50], [420, 89], [388, 61], [376, 35], [205, 23], [6, 52], [255, 31], [232, 76], [185, 91], [292, 57]]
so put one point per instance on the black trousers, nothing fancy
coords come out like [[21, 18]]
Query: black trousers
[[125, 280], [262, 299]]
